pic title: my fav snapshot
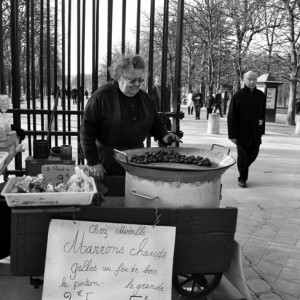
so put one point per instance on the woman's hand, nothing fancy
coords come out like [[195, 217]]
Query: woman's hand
[[170, 138], [98, 172]]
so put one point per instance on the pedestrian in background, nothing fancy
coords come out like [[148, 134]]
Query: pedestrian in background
[[190, 103], [162, 105], [86, 93], [74, 95], [198, 102], [210, 101], [218, 103], [245, 121]]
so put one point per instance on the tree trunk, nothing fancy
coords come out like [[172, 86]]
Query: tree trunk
[[237, 86], [290, 117]]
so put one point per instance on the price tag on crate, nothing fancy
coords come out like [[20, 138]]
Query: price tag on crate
[[61, 173]]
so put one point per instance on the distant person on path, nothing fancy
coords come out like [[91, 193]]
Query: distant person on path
[[74, 95], [245, 120], [198, 102], [190, 103], [86, 93], [209, 104], [218, 103]]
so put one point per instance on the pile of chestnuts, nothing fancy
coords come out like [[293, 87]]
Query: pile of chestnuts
[[171, 157]]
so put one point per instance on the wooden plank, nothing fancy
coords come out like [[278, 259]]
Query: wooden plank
[[17, 245], [204, 220], [14, 248], [126, 215], [35, 246], [45, 209], [203, 252]]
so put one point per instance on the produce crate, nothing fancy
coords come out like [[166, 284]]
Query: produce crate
[[45, 199]]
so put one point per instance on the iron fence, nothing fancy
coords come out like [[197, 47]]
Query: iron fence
[[42, 35]]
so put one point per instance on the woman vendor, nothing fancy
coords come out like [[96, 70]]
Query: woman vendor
[[119, 115]]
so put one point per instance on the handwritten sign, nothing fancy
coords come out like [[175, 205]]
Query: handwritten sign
[[61, 173], [93, 261]]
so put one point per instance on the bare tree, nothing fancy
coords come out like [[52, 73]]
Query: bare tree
[[273, 20], [291, 48], [247, 21], [23, 45], [206, 20], [158, 41]]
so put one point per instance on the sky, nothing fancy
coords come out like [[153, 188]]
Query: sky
[[116, 31]]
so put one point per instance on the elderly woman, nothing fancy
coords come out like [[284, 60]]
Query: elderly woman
[[119, 115]]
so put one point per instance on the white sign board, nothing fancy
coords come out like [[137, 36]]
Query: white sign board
[[105, 261], [271, 93]]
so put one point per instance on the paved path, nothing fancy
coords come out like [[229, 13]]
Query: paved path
[[268, 227], [268, 212]]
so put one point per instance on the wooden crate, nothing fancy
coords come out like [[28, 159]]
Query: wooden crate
[[34, 165], [204, 237]]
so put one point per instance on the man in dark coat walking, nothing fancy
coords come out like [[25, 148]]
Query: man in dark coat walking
[[246, 120], [218, 103], [198, 102]]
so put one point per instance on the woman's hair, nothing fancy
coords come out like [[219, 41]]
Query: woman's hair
[[124, 63]]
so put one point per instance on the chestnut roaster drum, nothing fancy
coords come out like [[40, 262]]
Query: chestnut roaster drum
[[174, 185]]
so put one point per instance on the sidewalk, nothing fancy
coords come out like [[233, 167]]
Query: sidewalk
[[268, 212]]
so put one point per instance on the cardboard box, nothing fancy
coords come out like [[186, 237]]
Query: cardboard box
[[34, 165]]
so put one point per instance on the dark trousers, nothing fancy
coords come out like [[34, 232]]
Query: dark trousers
[[190, 110], [246, 156], [208, 111], [218, 107], [197, 111]]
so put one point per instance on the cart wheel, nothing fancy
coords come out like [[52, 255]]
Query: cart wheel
[[196, 284]]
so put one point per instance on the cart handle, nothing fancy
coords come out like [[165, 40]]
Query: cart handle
[[121, 152], [133, 192], [217, 145]]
